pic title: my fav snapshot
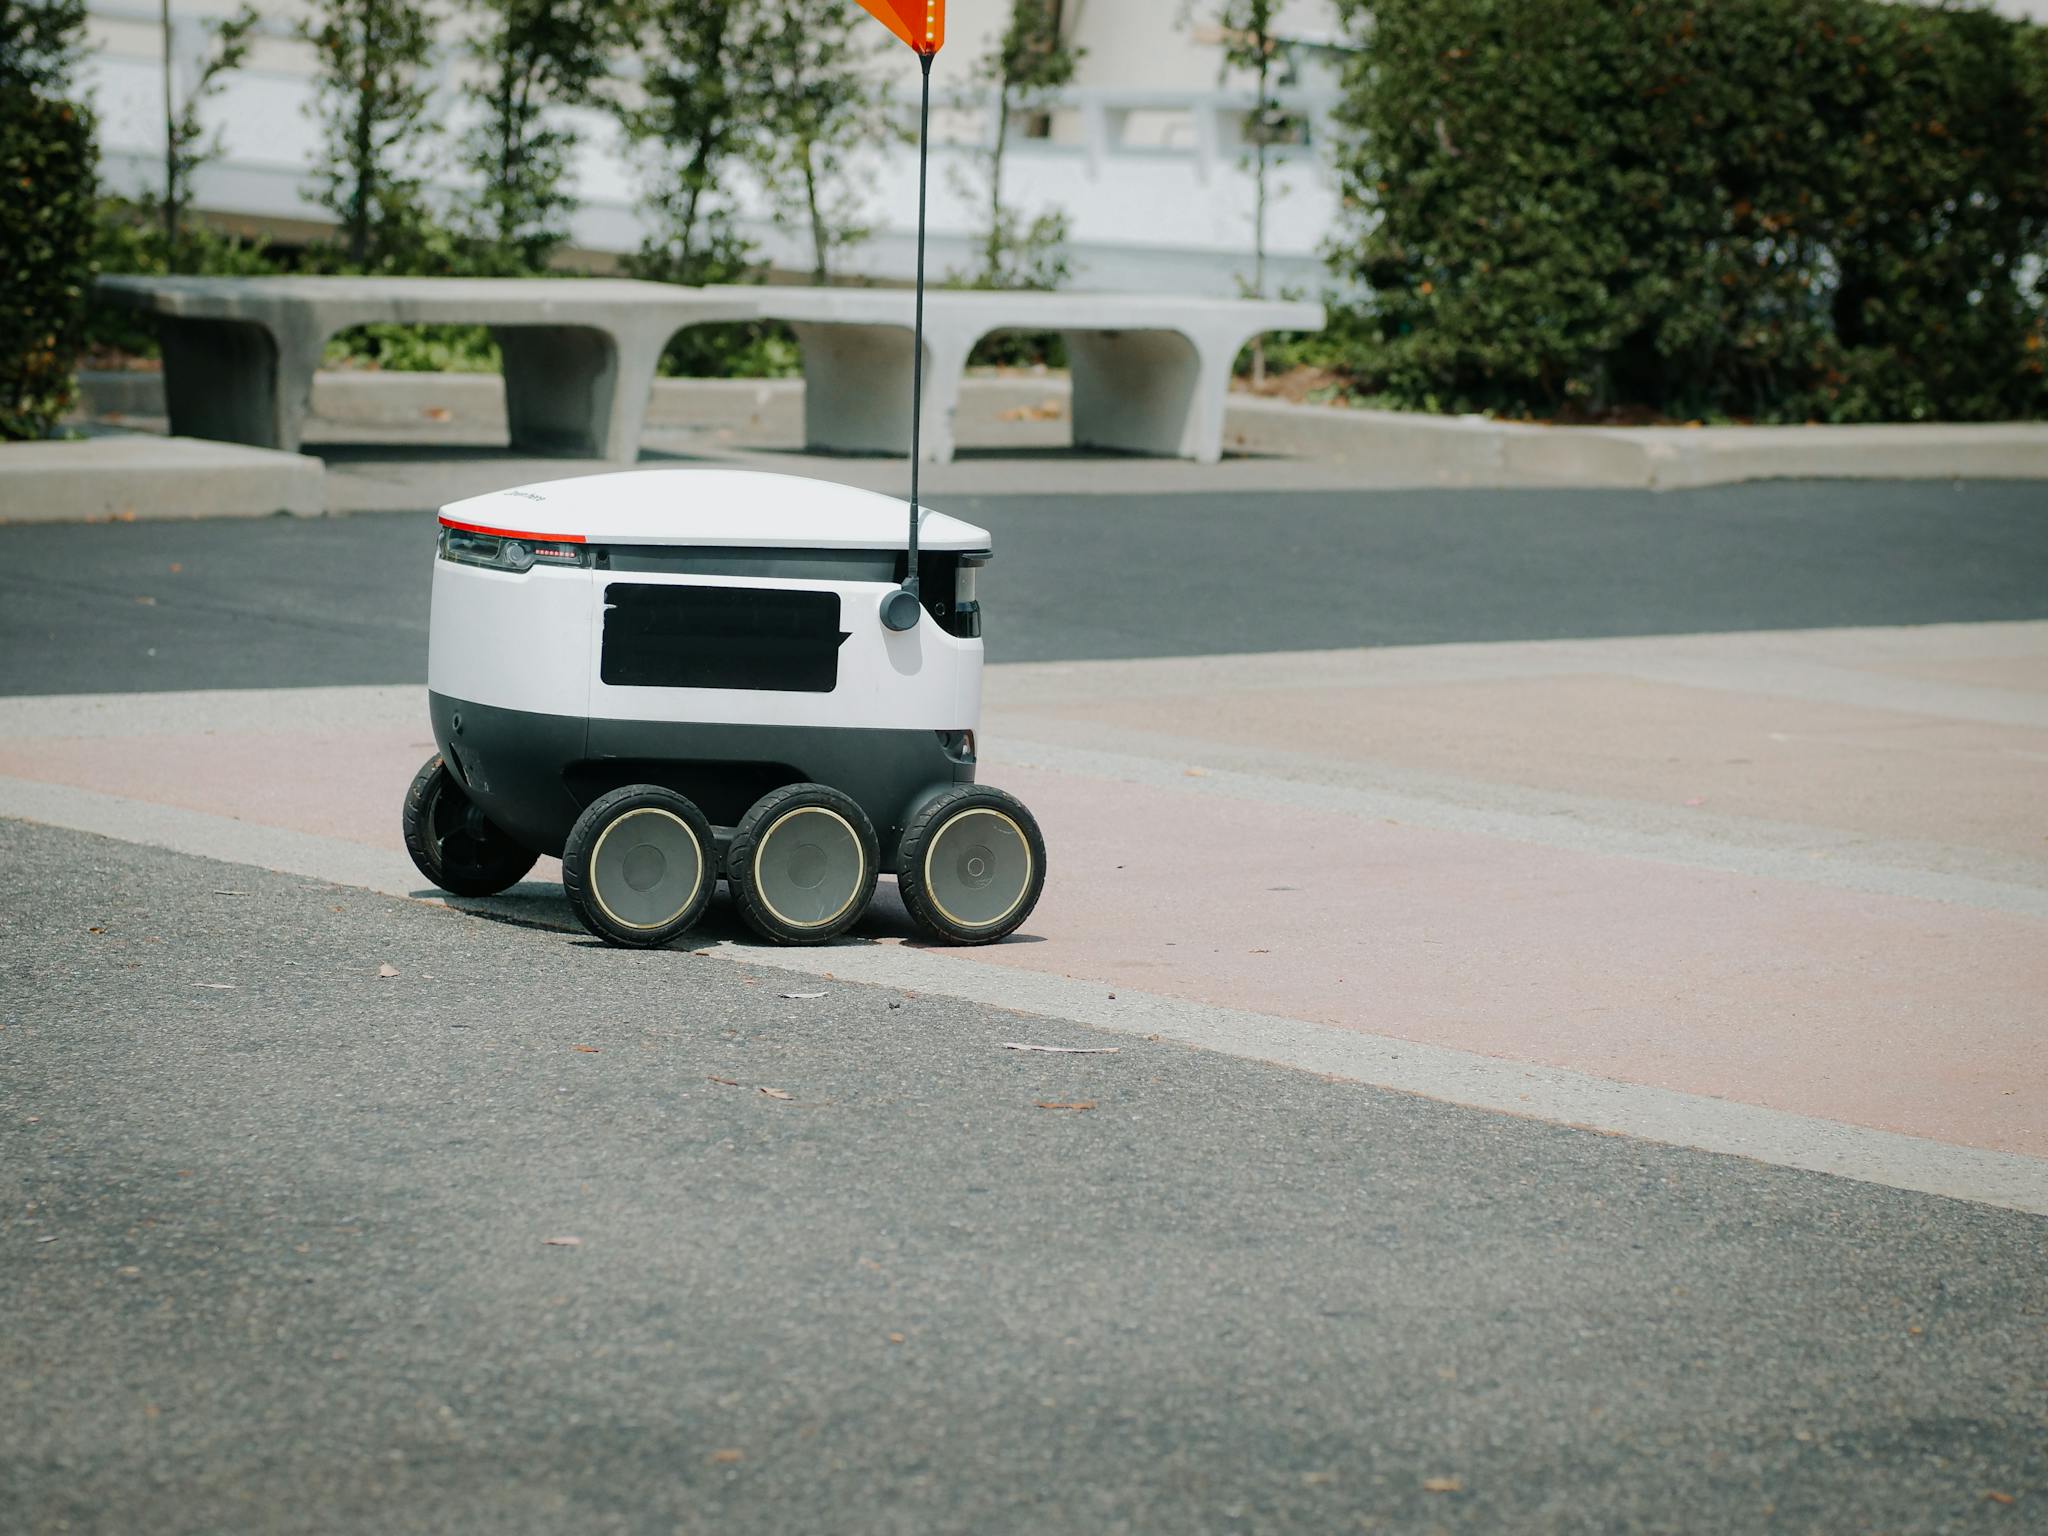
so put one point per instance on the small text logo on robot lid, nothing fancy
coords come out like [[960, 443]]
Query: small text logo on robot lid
[[525, 495]]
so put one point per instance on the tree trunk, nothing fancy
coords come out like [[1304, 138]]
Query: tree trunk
[[364, 157], [1259, 131], [697, 173], [170, 208], [994, 254], [820, 237], [506, 133]]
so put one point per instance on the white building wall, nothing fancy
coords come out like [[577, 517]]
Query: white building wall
[[1145, 154], [1142, 159]]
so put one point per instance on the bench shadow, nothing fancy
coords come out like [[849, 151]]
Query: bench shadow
[[1055, 453], [401, 452]]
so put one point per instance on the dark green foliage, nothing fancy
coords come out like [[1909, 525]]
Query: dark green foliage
[[39, 43], [186, 145], [1251, 47], [697, 247], [532, 55], [1031, 58], [824, 104], [48, 173], [699, 111], [372, 104], [1763, 209], [703, 104], [129, 238]]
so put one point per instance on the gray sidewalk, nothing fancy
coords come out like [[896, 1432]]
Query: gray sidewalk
[[545, 1255]]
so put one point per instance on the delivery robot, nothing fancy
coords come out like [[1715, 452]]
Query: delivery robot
[[669, 677]]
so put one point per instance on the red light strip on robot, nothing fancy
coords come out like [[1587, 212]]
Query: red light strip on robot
[[513, 533]]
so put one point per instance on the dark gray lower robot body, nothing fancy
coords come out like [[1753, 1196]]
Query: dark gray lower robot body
[[774, 735]]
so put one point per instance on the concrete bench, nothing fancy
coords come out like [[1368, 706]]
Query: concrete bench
[[580, 353], [1151, 371]]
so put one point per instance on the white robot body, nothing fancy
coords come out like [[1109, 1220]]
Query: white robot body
[[714, 635]]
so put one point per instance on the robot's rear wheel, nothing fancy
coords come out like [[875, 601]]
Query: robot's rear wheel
[[802, 864], [639, 866], [972, 865], [453, 843]]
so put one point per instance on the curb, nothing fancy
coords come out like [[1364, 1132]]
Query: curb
[[1479, 450], [1009, 411], [129, 476]]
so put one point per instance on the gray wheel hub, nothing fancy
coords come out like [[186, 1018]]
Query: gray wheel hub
[[646, 869], [977, 868], [809, 867]]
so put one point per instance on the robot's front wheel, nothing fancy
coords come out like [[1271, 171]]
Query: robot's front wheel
[[639, 866], [453, 843], [972, 865], [802, 864]]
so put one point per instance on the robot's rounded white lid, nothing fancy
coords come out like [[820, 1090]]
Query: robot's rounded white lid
[[710, 507]]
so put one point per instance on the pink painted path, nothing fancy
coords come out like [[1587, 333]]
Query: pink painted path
[[1915, 1004]]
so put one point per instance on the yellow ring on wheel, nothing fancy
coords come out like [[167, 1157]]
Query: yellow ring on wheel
[[860, 874], [596, 848], [1024, 889]]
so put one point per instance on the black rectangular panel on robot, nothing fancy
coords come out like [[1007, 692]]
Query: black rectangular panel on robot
[[662, 636]]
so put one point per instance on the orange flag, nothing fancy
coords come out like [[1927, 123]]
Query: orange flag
[[920, 23]]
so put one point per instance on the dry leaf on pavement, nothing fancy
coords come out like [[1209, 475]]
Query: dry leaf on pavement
[[776, 1093], [588, 1050], [1077, 1104], [1442, 1485], [1065, 1050], [386, 972], [801, 996], [561, 1242]]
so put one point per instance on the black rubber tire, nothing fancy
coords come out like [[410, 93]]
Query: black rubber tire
[[585, 842], [452, 843], [919, 838], [742, 874]]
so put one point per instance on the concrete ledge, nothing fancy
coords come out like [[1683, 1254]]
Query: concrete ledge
[[1389, 447], [1677, 457], [130, 476], [1477, 450]]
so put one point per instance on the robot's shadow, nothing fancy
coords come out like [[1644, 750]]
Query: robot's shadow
[[541, 904]]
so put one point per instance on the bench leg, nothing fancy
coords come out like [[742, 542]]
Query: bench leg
[[573, 390], [1155, 392], [857, 389], [236, 381]]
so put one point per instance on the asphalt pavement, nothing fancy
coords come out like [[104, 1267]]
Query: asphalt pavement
[[534, 1236], [144, 606]]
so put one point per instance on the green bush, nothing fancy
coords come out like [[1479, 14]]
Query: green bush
[[128, 237], [47, 178], [415, 349], [1779, 210]]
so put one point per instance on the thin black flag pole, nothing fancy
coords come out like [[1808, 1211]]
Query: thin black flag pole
[[924, 149], [900, 612]]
